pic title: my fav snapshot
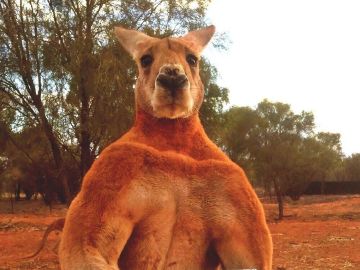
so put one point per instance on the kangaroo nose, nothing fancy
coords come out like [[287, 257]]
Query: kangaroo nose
[[172, 78], [172, 83]]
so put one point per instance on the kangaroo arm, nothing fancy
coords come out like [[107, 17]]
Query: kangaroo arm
[[93, 241]]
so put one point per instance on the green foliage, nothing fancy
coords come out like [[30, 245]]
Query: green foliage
[[352, 167], [216, 97], [280, 144], [7, 117], [236, 137], [280, 148], [329, 154]]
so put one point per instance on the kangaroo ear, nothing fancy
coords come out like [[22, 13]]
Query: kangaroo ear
[[198, 39], [131, 40]]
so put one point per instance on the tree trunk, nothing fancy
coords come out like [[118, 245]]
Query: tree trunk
[[268, 189], [87, 72], [17, 191], [322, 186], [55, 147], [279, 198], [84, 85], [85, 156], [12, 203]]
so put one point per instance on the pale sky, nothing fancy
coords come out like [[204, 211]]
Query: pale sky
[[305, 53]]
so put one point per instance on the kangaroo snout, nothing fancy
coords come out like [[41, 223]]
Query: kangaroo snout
[[172, 78], [172, 83]]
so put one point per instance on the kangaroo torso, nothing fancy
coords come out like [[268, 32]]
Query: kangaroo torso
[[187, 193]]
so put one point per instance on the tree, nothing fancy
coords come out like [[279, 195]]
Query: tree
[[236, 140], [315, 159], [280, 148], [212, 111], [352, 167], [330, 155], [24, 79], [277, 139]]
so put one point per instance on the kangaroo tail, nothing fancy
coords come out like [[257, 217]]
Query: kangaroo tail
[[57, 225]]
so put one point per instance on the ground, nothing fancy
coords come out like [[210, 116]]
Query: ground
[[319, 232]]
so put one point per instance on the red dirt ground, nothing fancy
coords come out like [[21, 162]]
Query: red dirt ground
[[318, 233]]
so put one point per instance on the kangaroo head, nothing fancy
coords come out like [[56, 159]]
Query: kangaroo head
[[168, 83]]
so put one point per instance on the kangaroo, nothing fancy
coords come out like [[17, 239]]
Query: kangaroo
[[164, 196]]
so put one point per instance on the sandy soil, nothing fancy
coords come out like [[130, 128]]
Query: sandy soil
[[317, 233]]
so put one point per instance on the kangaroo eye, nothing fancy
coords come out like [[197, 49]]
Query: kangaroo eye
[[192, 60], [146, 60]]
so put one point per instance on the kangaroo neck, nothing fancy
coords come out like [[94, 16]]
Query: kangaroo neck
[[184, 136], [171, 130]]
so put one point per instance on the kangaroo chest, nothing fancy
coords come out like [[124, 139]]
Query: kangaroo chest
[[169, 242], [183, 210]]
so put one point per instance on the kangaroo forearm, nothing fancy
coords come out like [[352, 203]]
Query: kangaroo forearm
[[85, 261]]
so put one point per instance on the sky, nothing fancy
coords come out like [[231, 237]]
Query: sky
[[304, 53]]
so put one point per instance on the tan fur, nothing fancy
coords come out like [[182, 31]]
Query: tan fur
[[164, 196]]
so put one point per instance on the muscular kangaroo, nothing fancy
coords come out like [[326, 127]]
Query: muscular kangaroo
[[163, 196]]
